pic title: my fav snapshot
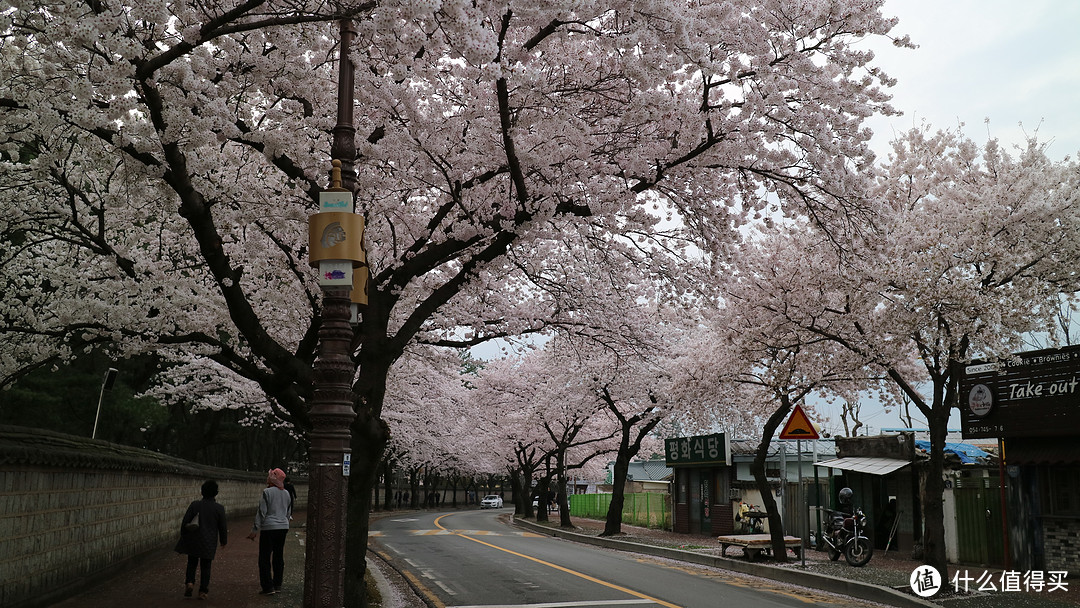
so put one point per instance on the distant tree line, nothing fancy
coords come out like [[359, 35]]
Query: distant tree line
[[65, 399]]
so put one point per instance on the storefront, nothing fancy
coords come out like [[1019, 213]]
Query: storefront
[[1030, 402], [701, 478]]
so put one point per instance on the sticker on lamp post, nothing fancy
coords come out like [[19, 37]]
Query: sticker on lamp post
[[335, 201], [335, 273], [346, 464]]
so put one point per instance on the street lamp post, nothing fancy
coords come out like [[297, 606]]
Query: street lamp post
[[331, 413], [106, 384], [335, 242]]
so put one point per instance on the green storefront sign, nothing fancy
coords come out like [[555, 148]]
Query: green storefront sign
[[702, 449]]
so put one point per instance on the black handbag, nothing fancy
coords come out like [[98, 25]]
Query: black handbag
[[193, 525]]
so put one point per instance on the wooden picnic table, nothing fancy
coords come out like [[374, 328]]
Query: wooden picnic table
[[754, 545]]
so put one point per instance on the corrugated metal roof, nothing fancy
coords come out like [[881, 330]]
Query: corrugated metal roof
[[748, 447], [865, 464], [648, 470]]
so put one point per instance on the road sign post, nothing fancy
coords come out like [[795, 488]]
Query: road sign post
[[799, 427]]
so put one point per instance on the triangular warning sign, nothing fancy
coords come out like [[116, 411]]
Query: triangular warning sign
[[798, 426]]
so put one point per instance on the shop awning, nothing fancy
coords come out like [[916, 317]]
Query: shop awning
[[1042, 450], [865, 464]]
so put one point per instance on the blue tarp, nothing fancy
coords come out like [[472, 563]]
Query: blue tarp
[[968, 453]]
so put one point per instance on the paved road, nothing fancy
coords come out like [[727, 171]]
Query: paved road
[[471, 559]]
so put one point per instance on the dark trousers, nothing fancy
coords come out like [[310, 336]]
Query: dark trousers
[[204, 567], [272, 558]]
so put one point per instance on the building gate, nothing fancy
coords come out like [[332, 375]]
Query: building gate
[[978, 520]]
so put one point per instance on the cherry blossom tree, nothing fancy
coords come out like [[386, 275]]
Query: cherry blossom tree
[[755, 364], [970, 251], [541, 407], [159, 161]]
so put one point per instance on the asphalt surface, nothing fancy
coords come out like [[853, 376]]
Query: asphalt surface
[[157, 579], [471, 558], [886, 571]]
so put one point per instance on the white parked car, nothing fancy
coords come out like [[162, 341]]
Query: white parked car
[[491, 501]]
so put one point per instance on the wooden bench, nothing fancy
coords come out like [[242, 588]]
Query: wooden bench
[[754, 545]]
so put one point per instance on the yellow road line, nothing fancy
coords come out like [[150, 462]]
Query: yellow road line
[[562, 569]]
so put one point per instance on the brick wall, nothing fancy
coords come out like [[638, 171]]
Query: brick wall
[[73, 510], [1061, 544]]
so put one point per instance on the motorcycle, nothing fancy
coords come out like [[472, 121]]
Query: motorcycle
[[846, 535]]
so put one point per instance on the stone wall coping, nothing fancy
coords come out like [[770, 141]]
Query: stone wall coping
[[25, 446]]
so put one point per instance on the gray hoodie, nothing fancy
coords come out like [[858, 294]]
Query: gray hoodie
[[275, 510]]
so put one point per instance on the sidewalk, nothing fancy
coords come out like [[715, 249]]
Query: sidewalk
[[158, 578]]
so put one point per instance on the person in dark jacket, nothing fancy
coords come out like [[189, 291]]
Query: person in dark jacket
[[200, 543]]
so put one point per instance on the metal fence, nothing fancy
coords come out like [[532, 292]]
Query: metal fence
[[647, 509]]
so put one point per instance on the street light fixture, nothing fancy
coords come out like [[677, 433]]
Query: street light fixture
[[106, 385]]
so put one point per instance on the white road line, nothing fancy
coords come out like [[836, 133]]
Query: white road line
[[444, 587], [562, 604]]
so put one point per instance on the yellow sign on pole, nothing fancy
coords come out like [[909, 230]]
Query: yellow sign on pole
[[798, 426]]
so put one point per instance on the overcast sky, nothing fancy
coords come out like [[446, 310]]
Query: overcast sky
[[1008, 62]]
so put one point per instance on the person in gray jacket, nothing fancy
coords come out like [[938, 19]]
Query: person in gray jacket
[[272, 528], [200, 540]]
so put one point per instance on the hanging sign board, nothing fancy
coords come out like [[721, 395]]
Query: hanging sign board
[[1031, 394], [798, 426], [703, 449]]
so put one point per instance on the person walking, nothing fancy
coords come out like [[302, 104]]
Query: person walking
[[272, 528], [201, 529]]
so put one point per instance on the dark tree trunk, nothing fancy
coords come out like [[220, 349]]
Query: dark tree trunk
[[388, 484], [613, 523], [945, 387], [520, 495], [628, 448], [542, 488], [414, 488], [369, 438], [934, 489], [561, 497], [776, 524]]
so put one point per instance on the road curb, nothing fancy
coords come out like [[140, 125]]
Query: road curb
[[822, 582]]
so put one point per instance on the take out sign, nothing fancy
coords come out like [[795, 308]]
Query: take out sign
[[1029, 394]]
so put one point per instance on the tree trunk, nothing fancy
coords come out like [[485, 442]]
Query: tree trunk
[[613, 523], [776, 524], [627, 450], [561, 497], [933, 510], [543, 489], [414, 488], [388, 485], [369, 438], [521, 496]]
